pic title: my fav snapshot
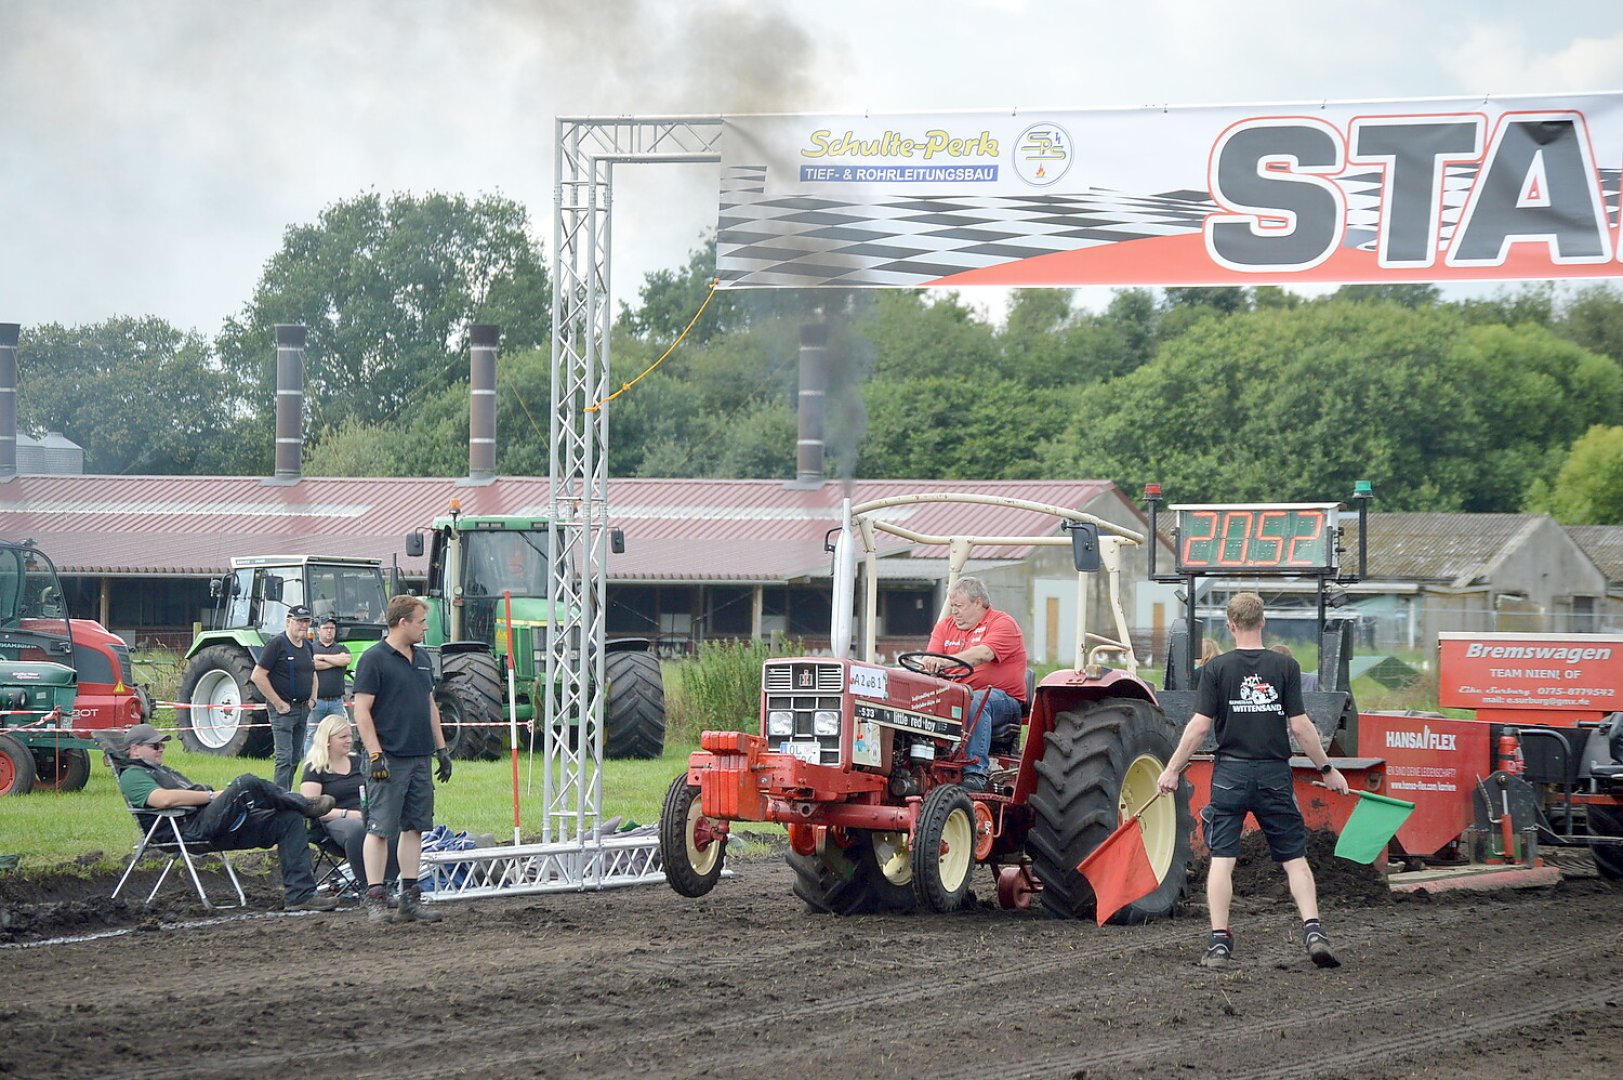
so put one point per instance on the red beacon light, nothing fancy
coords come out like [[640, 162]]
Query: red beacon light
[[1152, 491]]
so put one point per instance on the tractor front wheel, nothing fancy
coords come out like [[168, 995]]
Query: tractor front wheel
[[1099, 766], [633, 706], [61, 770], [16, 767], [1607, 821], [871, 873], [470, 699], [689, 853], [218, 685], [944, 848]]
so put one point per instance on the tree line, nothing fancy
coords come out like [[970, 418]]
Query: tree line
[[1505, 403]]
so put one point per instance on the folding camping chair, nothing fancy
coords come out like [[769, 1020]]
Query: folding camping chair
[[331, 866], [176, 848]]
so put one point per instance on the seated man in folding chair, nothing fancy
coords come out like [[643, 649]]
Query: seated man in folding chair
[[251, 812]]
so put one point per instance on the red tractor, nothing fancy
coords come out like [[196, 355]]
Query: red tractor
[[862, 763]]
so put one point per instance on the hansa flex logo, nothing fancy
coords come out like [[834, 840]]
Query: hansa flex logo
[[1042, 153], [1424, 739]]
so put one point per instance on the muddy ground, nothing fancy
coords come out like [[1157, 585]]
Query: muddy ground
[[640, 982]]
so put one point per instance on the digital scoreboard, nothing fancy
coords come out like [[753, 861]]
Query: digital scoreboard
[[1260, 538]]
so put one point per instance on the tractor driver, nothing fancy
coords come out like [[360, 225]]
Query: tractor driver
[[990, 642]]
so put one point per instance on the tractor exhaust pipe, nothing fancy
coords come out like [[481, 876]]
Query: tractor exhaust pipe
[[8, 399], [483, 338], [289, 401]]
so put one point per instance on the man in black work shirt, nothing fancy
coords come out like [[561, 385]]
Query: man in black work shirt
[[1253, 696], [286, 677], [400, 726], [332, 661]]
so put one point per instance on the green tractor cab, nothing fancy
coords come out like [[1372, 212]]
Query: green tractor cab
[[485, 570], [38, 683], [251, 604]]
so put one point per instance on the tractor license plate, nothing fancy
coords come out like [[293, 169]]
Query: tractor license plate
[[805, 751]]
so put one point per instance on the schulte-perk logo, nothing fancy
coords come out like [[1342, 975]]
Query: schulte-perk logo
[[1042, 153]]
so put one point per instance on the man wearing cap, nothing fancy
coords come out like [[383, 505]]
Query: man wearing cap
[[332, 660], [286, 677], [251, 812]]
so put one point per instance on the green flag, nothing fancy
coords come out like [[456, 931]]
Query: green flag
[[1373, 824]]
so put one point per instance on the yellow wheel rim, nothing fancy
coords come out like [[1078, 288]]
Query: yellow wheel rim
[[957, 849], [891, 852], [701, 861], [1160, 821]]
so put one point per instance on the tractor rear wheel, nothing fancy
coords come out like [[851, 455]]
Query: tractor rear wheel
[[218, 684], [944, 848], [853, 880], [1099, 765], [633, 706], [470, 698], [61, 770], [690, 856], [16, 767], [1607, 821]]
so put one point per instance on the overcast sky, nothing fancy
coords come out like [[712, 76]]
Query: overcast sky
[[153, 151]]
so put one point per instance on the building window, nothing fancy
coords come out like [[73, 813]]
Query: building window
[[907, 612]]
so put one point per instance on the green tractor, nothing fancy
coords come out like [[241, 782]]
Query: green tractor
[[38, 680], [251, 605], [475, 562]]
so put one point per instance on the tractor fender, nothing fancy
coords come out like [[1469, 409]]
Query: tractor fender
[[1064, 691], [251, 640], [632, 644]]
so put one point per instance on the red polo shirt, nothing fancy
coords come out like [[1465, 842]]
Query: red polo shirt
[[998, 632]]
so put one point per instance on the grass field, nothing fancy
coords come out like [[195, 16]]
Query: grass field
[[92, 829]]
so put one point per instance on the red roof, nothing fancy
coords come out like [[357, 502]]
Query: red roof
[[719, 530]]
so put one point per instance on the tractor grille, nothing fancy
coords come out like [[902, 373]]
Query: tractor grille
[[802, 690], [804, 676]]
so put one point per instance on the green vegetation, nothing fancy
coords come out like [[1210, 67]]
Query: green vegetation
[[719, 689], [1499, 404]]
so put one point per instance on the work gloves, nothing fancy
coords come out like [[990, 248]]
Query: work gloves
[[443, 771], [380, 766]]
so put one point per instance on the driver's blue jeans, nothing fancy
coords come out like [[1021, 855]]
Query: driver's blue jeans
[[1000, 709]]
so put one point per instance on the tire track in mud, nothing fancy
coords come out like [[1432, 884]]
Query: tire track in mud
[[1162, 1052]]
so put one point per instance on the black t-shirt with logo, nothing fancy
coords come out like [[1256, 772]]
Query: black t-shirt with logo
[[292, 669], [1251, 694]]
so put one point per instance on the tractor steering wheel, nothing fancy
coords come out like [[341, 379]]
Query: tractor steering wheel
[[955, 669]]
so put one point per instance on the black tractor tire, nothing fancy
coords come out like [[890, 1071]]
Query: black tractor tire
[[1607, 821], [223, 675], [633, 706], [16, 767], [61, 770], [944, 848], [846, 881], [1077, 805], [690, 871], [471, 696]]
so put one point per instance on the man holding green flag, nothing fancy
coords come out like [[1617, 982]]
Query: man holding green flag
[[1253, 697]]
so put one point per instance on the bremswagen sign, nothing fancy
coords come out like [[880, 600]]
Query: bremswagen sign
[[1334, 192]]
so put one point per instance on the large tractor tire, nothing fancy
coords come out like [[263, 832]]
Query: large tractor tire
[[61, 770], [836, 880], [633, 706], [217, 683], [470, 697], [1607, 821], [16, 767], [690, 856], [1099, 764]]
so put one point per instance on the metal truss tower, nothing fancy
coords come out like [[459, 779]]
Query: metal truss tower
[[573, 854]]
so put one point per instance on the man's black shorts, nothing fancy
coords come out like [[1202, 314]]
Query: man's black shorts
[[405, 800], [1264, 789]]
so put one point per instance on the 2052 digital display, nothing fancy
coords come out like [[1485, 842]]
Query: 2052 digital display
[[1297, 538]]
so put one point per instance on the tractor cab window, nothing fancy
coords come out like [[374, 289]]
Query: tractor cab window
[[237, 607], [287, 588], [33, 617], [351, 593], [504, 561]]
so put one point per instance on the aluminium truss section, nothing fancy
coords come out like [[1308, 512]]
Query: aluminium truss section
[[588, 149], [606, 863]]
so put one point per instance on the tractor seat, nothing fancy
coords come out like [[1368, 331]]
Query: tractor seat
[[1006, 738]]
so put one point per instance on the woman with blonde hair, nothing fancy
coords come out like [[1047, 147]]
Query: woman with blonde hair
[[333, 768]]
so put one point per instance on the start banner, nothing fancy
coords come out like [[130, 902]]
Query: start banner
[[1577, 672], [1494, 189]]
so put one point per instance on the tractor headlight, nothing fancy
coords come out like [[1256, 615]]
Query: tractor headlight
[[780, 722], [825, 722]]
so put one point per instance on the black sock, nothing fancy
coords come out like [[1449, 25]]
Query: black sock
[[1309, 925], [1221, 935]]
